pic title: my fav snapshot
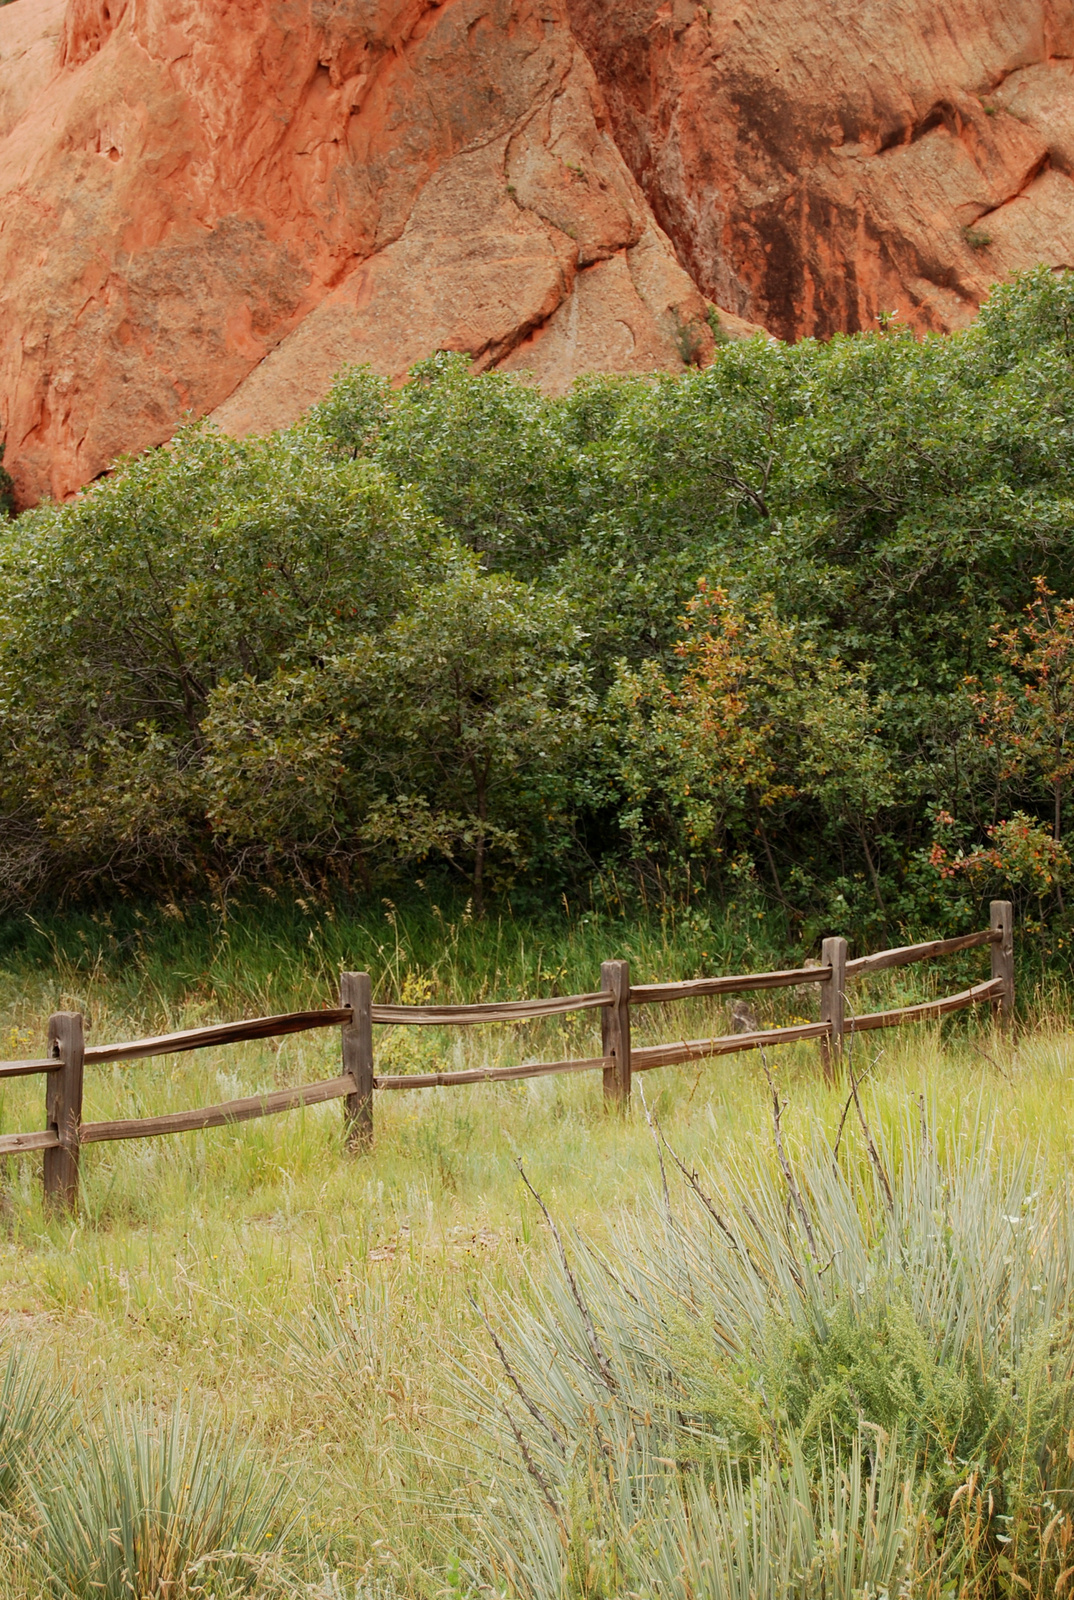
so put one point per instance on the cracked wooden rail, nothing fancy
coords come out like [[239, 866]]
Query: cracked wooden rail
[[63, 1067]]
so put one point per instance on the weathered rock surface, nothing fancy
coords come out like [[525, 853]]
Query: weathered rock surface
[[211, 208], [508, 240], [816, 165]]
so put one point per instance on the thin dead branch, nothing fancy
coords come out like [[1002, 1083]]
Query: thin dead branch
[[593, 1342], [778, 1107], [531, 1405], [692, 1179], [874, 1154], [846, 1109], [991, 1061], [659, 1152], [533, 1469]]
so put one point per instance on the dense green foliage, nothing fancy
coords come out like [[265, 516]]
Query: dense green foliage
[[763, 628]]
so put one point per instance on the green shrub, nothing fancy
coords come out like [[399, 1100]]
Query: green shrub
[[448, 731], [194, 567], [193, 654]]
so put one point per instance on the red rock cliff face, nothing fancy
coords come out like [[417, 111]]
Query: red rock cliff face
[[211, 208], [818, 164]]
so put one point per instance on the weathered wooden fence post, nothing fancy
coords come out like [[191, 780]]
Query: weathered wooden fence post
[[615, 1033], [356, 991], [63, 1109], [833, 953], [1002, 922]]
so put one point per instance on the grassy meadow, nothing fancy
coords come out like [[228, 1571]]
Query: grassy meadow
[[321, 1313]]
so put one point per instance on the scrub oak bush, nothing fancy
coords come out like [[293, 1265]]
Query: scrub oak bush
[[783, 613]]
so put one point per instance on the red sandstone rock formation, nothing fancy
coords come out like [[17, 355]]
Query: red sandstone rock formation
[[818, 164], [210, 207]]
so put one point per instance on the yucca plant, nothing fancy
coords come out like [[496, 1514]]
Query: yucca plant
[[30, 1411], [850, 1530], [751, 1345], [142, 1506]]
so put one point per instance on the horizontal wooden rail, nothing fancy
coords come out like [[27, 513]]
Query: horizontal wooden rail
[[666, 1055], [13, 1144], [990, 990], [908, 953], [258, 1105], [651, 994], [645, 1059], [502, 1011], [530, 1069], [26, 1069], [166, 1044], [355, 1016]]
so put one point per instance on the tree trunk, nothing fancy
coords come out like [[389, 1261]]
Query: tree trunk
[[772, 868], [481, 777], [872, 871]]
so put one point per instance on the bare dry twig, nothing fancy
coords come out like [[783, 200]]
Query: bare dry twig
[[796, 1198], [846, 1109], [991, 1060], [874, 1154], [603, 1368], [531, 1405], [692, 1179], [659, 1152], [532, 1468]]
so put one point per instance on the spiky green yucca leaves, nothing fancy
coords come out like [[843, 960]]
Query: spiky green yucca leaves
[[141, 1507], [29, 1412], [787, 1532], [721, 1369]]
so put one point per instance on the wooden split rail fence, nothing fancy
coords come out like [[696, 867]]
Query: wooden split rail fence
[[68, 1055]]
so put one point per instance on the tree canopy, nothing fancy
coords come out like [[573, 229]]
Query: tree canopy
[[804, 616]]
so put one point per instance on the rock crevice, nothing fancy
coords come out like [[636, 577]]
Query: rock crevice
[[817, 167]]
